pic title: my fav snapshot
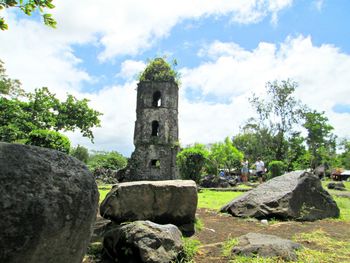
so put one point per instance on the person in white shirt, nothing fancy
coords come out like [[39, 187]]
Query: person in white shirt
[[260, 169]]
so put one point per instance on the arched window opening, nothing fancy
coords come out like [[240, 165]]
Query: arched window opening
[[157, 99], [155, 128], [155, 164]]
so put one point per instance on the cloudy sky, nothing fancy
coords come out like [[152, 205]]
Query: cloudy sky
[[225, 49]]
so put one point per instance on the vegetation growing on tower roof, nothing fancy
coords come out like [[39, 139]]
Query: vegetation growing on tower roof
[[159, 70]]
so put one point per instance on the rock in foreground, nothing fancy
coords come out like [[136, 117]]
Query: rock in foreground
[[254, 244], [296, 195], [162, 202], [48, 203], [142, 241]]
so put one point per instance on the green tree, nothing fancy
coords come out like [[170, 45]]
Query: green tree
[[21, 113], [224, 155], [255, 141], [276, 168], [281, 111], [298, 157], [49, 139], [28, 7], [191, 162], [81, 153], [107, 160], [320, 139], [9, 87], [345, 155]]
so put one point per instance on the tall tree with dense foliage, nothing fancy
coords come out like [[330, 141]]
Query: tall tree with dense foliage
[[280, 111], [191, 162], [298, 158], [28, 7], [21, 113], [344, 156], [255, 141], [224, 155], [320, 139]]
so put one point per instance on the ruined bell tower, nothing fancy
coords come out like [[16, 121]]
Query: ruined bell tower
[[156, 126]]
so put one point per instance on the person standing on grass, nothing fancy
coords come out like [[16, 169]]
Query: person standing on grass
[[244, 171], [260, 169]]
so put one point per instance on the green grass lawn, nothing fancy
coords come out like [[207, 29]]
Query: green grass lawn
[[214, 199], [104, 190], [325, 183]]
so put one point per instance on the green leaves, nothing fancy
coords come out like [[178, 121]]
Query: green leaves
[[40, 110], [3, 25], [49, 21], [49, 139], [191, 161], [28, 7], [159, 70]]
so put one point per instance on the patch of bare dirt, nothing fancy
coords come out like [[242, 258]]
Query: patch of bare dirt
[[218, 228]]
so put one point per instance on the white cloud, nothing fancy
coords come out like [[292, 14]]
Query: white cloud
[[318, 4], [323, 74], [118, 104], [39, 56], [36, 56], [131, 68], [129, 27]]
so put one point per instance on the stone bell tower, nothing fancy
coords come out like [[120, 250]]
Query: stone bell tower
[[156, 131]]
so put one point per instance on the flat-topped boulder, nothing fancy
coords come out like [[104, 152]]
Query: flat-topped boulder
[[162, 202], [48, 203], [297, 195]]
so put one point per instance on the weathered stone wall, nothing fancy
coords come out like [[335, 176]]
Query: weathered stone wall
[[156, 132]]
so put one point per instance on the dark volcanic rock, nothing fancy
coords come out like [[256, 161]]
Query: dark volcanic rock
[[163, 202], [296, 195], [254, 244], [142, 241], [337, 186], [214, 181], [48, 203]]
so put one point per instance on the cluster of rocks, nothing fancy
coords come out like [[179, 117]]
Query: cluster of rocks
[[48, 205], [336, 186], [215, 181], [147, 220], [105, 175]]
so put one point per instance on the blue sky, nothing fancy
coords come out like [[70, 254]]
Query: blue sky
[[226, 50]]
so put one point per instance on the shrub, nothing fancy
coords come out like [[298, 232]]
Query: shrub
[[49, 139], [276, 168], [159, 70], [107, 160], [191, 161]]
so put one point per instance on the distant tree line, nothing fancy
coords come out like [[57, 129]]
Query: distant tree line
[[286, 134]]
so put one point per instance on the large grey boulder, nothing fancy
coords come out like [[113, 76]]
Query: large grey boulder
[[296, 195], [163, 202], [48, 204], [142, 241], [254, 244]]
